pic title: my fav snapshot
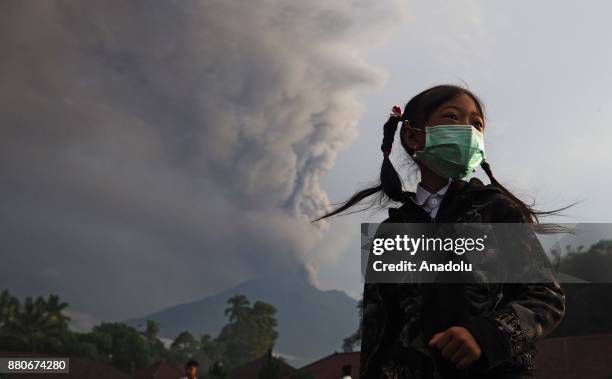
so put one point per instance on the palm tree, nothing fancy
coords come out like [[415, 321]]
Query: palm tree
[[151, 329], [55, 309], [9, 306], [37, 325], [239, 307]]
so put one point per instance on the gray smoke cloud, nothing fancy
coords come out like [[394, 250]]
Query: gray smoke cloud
[[155, 152]]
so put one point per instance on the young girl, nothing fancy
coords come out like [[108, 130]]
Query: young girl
[[462, 335]]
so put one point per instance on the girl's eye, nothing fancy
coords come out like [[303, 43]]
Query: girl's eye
[[451, 116], [477, 124]]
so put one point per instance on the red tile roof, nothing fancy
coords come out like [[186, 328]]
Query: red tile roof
[[251, 369], [575, 357], [330, 367], [161, 370], [558, 358]]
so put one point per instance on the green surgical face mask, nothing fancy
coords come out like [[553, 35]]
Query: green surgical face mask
[[452, 151]]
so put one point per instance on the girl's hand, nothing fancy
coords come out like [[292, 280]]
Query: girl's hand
[[457, 345]]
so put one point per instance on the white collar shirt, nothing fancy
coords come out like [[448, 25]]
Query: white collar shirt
[[430, 202]]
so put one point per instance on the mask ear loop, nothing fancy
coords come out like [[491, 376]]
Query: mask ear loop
[[406, 124]]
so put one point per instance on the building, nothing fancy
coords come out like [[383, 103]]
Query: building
[[330, 367], [575, 357], [558, 358], [250, 370], [161, 370]]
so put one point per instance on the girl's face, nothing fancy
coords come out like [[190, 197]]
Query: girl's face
[[460, 110]]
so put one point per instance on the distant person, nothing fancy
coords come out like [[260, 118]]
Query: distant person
[[191, 370], [346, 372], [216, 370]]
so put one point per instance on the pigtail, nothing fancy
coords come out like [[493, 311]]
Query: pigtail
[[529, 213], [391, 185], [390, 180], [389, 130]]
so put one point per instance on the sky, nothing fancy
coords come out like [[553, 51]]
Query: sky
[[542, 72], [156, 155]]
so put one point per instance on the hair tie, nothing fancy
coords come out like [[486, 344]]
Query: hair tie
[[396, 111]]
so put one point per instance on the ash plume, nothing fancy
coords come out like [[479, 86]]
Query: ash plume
[[154, 152]]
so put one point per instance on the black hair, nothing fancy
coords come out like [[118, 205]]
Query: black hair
[[417, 112], [192, 363]]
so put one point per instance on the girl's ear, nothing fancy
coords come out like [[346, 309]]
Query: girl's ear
[[410, 137]]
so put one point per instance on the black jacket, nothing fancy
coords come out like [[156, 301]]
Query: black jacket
[[505, 319]]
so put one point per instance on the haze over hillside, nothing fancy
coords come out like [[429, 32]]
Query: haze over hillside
[[311, 323]]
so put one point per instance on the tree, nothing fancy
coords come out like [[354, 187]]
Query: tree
[[185, 344], [354, 339], [588, 304], [263, 317], [9, 307], [123, 346], [37, 325], [211, 349], [239, 307], [151, 330], [216, 371], [55, 307], [40, 325], [250, 332], [593, 265]]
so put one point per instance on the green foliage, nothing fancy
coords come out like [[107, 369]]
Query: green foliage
[[185, 344], [210, 350], [250, 333], [9, 307], [40, 325], [354, 339], [239, 308], [37, 325], [593, 265], [124, 346], [588, 305], [151, 330], [216, 371]]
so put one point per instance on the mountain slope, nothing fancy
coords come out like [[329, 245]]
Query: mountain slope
[[311, 323]]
